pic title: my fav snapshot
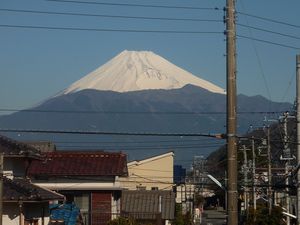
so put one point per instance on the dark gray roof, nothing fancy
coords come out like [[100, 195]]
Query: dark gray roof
[[20, 189], [13, 148], [146, 204]]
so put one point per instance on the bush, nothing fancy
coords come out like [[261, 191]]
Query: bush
[[122, 221]]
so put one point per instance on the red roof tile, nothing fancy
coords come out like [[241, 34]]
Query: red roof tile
[[80, 163]]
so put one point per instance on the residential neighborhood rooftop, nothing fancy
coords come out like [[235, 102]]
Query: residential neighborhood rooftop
[[24, 190], [80, 163], [13, 148]]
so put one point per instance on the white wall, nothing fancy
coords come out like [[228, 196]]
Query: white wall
[[11, 212]]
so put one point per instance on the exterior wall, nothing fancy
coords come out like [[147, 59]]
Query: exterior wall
[[155, 172], [185, 196], [11, 213], [14, 167], [101, 203]]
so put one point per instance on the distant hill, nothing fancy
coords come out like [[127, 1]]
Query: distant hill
[[138, 91], [186, 110]]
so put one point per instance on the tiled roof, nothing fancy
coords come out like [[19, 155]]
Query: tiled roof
[[15, 148], [22, 189], [147, 204], [79, 163]]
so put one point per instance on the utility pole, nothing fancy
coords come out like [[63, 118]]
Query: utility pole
[[245, 170], [287, 157], [253, 176], [269, 171], [232, 207], [1, 186], [298, 133]]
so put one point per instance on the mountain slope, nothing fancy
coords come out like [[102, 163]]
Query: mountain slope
[[186, 110], [189, 109], [139, 70]]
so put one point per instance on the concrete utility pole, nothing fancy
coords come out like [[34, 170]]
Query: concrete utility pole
[[269, 172], [287, 157], [245, 170], [298, 134], [1, 186], [253, 176], [232, 207]]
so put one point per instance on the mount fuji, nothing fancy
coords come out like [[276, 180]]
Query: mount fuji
[[136, 71], [138, 92]]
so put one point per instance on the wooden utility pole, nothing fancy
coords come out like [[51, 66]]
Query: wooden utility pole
[[232, 207], [298, 134]]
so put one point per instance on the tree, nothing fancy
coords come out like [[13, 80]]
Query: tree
[[262, 217]]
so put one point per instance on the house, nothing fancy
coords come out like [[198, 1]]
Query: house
[[23, 202], [148, 196], [89, 178], [149, 207], [154, 173]]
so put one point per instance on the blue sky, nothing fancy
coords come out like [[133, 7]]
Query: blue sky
[[36, 64]]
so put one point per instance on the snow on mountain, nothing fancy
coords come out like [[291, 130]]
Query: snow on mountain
[[139, 70]]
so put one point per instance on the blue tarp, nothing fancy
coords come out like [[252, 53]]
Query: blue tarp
[[67, 212]]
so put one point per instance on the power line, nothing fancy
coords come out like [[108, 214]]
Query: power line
[[268, 31], [108, 30], [135, 5], [268, 19], [258, 59], [133, 112], [140, 17], [140, 148], [108, 16], [139, 31], [269, 42], [203, 140], [109, 133], [149, 146]]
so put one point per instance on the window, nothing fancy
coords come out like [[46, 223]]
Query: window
[[83, 201], [141, 188]]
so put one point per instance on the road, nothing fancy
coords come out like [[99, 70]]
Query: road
[[213, 217]]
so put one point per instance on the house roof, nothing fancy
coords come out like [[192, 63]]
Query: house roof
[[13, 148], [143, 161], [147, 204], [79, 163], [23, 190]]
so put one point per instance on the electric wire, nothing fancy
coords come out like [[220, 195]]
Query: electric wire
[[260, 65], [134, 112], [107, 15], [148, 146], [269, 31], [202, 140], [136, 5], [140, 17], [109, 133], [108, 30], [140, 148], [268, 19], [268, 42], [140, 31]]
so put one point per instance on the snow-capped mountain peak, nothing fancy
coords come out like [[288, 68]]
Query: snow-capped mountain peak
[[139, 70]]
